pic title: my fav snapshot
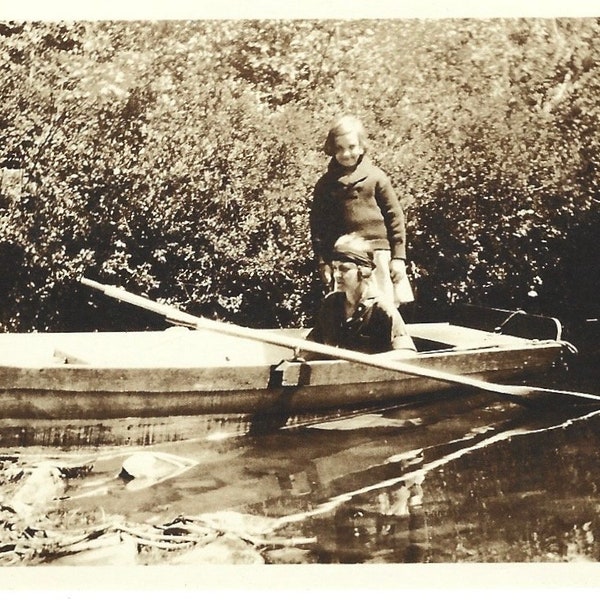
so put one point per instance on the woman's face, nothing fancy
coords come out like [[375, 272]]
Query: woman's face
[[345, 275], [348, 149]]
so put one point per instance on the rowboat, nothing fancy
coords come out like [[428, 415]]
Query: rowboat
[[90, 388]]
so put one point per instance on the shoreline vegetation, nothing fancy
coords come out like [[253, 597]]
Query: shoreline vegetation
[[177, 159]]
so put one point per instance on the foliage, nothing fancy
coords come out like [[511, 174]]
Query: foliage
[[177, 159]]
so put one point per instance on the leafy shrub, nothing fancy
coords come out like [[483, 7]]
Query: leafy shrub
[[177, 159]]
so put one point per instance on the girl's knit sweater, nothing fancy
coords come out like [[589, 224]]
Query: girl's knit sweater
[[358, 199]]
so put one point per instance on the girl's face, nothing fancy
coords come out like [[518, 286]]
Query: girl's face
[[348, 149], [345, 275]]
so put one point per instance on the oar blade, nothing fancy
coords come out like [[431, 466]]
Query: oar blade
[[555, 399]]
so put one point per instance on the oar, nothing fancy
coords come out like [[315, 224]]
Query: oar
[[520, 394]]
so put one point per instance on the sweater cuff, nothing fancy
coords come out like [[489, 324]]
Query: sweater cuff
[[398, 251]]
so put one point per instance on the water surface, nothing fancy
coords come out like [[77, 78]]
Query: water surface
[[466, 479]]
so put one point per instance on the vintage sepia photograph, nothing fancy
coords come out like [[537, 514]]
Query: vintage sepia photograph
[[299, 289]]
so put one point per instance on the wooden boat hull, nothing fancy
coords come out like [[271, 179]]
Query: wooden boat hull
[[73, 392], [83, 377]]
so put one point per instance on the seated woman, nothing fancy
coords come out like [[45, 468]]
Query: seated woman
[[351, 317]]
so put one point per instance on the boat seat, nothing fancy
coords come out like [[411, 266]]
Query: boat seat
[[441, 336]]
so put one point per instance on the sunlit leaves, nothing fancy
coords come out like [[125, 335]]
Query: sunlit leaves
[[179, 157]]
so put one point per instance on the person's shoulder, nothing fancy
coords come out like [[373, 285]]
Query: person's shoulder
[[330, 305], [333, 297], [372, 168], [324, 180], [386, 306], [331, 302]]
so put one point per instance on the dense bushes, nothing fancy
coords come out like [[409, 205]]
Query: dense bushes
[[177, 159]]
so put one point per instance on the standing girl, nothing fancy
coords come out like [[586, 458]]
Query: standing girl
[[355, 196]]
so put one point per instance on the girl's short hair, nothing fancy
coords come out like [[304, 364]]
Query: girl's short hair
[[342, 126]]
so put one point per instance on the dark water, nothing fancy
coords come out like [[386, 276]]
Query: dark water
[[466, 479]]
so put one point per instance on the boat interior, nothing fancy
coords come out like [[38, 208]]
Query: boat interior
[[471, 328]]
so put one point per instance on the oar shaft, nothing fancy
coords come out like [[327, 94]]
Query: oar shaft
[[345, 354], [527, 395], [120, 294], [295, 343]]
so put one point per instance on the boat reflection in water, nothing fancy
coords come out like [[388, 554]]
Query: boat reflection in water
[[438, 482], [487, 485], [390, 527]]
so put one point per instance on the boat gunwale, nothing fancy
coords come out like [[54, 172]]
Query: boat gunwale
[[238, 377]]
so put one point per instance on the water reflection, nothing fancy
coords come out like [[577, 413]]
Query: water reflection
[[390, 527], [525, 499], [464, 480]]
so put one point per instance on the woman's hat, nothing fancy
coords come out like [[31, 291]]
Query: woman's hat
[[353, 248]]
